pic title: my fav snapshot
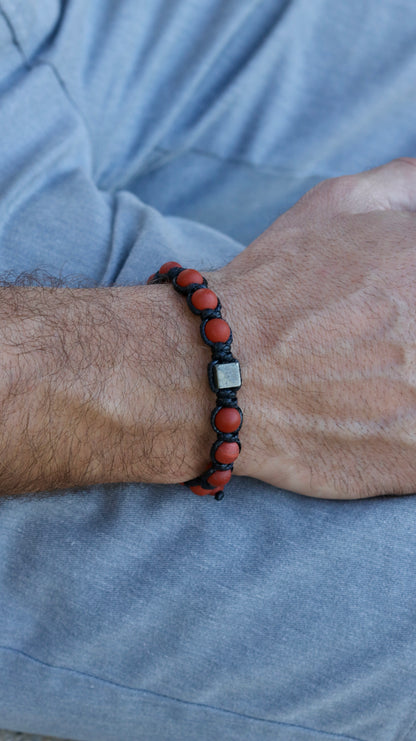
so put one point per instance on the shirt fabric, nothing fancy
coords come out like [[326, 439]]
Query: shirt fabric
[[135, 133]]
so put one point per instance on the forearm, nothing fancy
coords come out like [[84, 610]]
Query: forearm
[[98, 386]]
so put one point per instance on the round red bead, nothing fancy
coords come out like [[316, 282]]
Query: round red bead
[[202, 492], [203, 298], [217, 330], [219, 478], [186, 277], [167, 266], [150, 278], [227, 452], [227, 419]]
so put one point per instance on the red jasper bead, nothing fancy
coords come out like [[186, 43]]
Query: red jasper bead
[[202, 492], [150, 278], [186, 277], [167, 266], [227, 419], [203, 298], [227, 452], [217, 330], [219, 478]]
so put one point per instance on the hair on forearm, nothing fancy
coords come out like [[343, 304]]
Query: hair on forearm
[[40, 277], [68, 335]]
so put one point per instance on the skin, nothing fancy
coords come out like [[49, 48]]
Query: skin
[[109, 384], [329, 333], [97, 387]]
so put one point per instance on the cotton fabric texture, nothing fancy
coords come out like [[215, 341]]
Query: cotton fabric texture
[[132, 134]]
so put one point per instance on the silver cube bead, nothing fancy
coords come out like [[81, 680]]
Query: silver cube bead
[[227, 375]]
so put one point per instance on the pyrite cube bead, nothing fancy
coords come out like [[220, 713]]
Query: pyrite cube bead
[[227, 375]]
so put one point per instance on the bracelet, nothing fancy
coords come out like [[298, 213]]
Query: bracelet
[[223, 375]]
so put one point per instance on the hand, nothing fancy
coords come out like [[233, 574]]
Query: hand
[[323, 311]]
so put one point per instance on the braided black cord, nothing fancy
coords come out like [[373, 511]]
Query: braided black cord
[[221, 353]]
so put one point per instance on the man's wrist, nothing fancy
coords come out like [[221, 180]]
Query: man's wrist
[[99, 386]]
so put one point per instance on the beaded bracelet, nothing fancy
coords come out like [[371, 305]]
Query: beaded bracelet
[[223, 375]]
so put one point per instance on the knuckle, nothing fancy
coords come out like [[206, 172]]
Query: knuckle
[[404, 162], [334, 191]]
